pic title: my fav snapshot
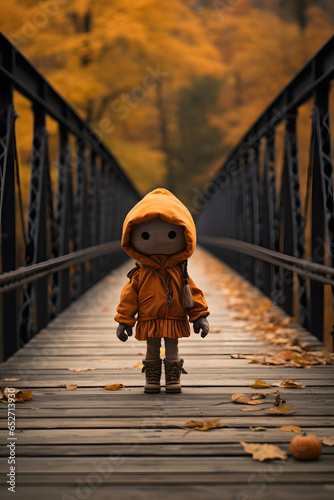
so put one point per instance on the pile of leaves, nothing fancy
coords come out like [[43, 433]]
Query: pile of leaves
[[258, 315]]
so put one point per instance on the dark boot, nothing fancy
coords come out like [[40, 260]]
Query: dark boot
[[152, 369], [173, 370]]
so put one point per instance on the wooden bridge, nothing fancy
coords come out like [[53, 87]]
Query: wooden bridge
[[269, 314]]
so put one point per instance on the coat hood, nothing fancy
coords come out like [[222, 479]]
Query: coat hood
[[160, 203]]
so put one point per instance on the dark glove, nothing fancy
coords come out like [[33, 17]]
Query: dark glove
[[123, 332], [202, 324]]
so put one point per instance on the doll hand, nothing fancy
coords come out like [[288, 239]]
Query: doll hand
[[123, 332], [202, 324]]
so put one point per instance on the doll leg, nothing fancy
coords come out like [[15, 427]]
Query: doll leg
[[152, 366], [153, 349], [173, 366], [172, 349]]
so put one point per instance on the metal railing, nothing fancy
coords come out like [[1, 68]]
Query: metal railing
[[71, 243], [260, 230]]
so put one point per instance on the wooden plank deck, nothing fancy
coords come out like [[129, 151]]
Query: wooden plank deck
[[94, 443]]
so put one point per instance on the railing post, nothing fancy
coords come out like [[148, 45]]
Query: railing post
[[322, 202], [80, 214], [269, 235], [61, 280], [293, 231], [7, 213], [35, 296]]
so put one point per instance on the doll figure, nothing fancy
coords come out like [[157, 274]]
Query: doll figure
[[160, 234]]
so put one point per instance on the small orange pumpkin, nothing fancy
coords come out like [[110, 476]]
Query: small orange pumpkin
[[305, 447]]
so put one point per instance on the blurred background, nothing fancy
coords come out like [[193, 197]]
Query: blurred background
[[171, 86]]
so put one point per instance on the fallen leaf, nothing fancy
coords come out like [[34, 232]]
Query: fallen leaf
[[290, 384], [205, 425], [122, 368], [279, 410], [245, 399], [255, 362], [328, 441], [139, 366], [81, 369], [114, 387], [33, 408], [263, 452], [11, 379], [260, 384], [257, 429], [290, 428], [278, 399], [251, 409], [20, 396], [71, 387]]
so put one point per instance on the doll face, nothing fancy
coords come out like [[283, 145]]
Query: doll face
[[158, 237]]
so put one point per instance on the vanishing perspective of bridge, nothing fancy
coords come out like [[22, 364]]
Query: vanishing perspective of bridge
[[256, 233]]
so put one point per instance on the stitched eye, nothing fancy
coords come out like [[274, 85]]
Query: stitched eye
[[145, 235], [171, 235]]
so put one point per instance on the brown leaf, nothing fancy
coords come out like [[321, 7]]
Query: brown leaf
[[114, 387], [279, 410], [81, 369], [290, 428], [263, 452], [71, 387], [257, 429], [244, 399], [20, 396], [205, 425], [251, 409], [278, 399], [290, 383], [260, 384], [328, 441]]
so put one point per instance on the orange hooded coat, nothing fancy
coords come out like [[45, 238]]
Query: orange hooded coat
[[145, 294]]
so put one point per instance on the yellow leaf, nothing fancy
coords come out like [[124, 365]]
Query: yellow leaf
[[290, 428], [263, 452], [71, 387], [139, 366], [279, 410], [205, 425], [328, 441], [255, 362], [260, 384], [114, 387]]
